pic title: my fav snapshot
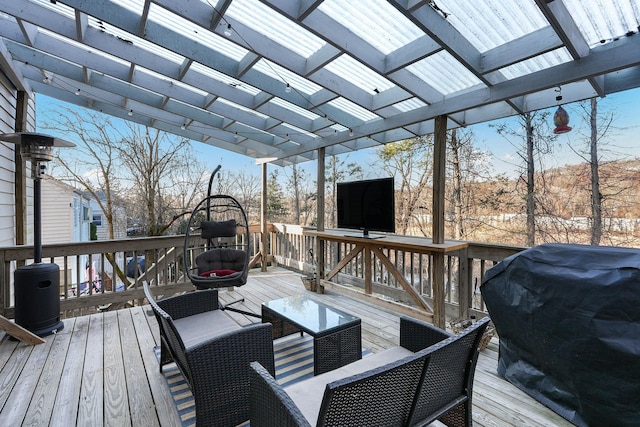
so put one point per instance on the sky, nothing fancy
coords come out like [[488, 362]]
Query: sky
[[503, 155]]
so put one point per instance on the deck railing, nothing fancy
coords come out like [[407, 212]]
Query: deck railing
[[463, 268], [100, 274], [105, 275]]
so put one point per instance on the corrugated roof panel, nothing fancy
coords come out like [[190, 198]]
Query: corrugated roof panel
[[297, 82], [241, 107], [444, 73], [409, 105], [221, 77], [84, 47], [172, 81], [274, 26], [196, 33], [603, 21], [294, 108], [358, 74], [137, 41], [294, 131], [540, 62], [58, 7], [376, 22], [490, 23], [353, 109]]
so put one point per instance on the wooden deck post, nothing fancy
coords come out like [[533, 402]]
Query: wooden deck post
[[319, 249], [263, 220], [439, 166]]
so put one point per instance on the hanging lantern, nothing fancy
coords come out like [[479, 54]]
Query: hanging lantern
[[561, 121]]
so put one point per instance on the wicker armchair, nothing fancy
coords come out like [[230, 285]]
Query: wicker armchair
[[213, 353], [428, 377]]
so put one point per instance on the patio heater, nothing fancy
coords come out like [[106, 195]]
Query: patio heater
[[37, 298]]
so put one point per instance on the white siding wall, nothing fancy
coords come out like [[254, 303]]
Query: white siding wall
[[63, 213], [8, 96], [119, 222], [57, 212], [7, 164]]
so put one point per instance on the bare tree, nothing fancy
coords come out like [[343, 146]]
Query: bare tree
[[247, 189], [303, 196], [159, 166], [93, 163], [602, 193], [466, 166], [338, 170], [537, 141], [596, 196], [410, 161]]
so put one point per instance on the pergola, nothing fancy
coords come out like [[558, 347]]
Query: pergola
[[287, 81], [281, 79]]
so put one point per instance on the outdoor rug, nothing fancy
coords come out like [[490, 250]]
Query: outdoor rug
[[293, 359]]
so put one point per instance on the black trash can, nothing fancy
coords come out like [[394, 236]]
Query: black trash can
[[37, 298]]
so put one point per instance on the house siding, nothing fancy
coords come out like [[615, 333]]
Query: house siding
[[8, 102], [119, 222], [7, 164], [66, 213]]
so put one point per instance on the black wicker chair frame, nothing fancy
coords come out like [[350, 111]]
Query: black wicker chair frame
[[435, 383], [213, 353], [217, 239]]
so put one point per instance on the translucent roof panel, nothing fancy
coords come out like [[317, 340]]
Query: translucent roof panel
[[137, 41], [409, 105], [490, 23], [241, 107], [294, 108], [377, 67], [376, 22], [192, 31], [221, 77], [276, 27], [444, 73], [173, 82], [536, 63], [61, 9], [297, 82], [358, 74], [606, 20], [353, 109], [80, 45]]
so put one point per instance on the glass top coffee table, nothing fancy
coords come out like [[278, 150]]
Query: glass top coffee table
[[337, 338]]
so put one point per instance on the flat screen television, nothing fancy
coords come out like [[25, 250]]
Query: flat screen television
[[367, 205]]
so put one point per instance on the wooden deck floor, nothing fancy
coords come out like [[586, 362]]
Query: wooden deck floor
[[100, 370]]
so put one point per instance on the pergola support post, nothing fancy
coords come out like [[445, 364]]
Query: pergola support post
[[263, 220], [439, 159], [20, 174], [319, 249]]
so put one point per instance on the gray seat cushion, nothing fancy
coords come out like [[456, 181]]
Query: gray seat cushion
[[201, 327], [308, 394], [221, 259]]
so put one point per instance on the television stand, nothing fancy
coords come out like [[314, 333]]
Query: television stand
[[365, 235]]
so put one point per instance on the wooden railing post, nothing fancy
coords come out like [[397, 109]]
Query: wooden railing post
[[439, 160], [320, 245], [464, 284]]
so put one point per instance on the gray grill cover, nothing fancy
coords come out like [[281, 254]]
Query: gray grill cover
[[568, 317]]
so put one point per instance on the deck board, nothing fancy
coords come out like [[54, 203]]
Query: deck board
[[65, 409], [100, 370], [116, 404], [43, 399], [91, 405]]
